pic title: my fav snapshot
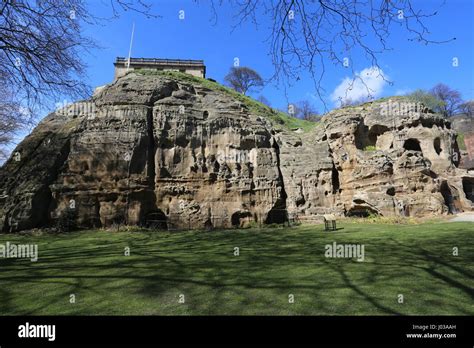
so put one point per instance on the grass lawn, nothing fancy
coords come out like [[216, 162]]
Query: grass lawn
[[413, 260]]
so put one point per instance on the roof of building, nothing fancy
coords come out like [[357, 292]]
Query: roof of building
[[159, 61]]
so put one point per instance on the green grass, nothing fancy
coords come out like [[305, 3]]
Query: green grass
[[413, 260], [277, 117], [460, 140], [370, 148]]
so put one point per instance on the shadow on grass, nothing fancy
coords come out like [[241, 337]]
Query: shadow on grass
[[270, 264]]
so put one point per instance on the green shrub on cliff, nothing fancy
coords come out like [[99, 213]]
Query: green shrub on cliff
[[460, 140]]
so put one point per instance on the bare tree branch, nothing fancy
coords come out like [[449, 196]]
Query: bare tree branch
[[307, 34]]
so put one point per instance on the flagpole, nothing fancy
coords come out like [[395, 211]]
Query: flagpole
[[130, 49]]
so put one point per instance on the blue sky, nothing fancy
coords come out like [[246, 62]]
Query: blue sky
[[409, 66]]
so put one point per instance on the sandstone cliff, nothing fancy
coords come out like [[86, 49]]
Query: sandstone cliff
[[464, 126], [181, 152]]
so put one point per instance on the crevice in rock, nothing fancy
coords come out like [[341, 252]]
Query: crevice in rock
[[151, 170], [451, 198], [361, 136], [278, 214], [437, 146], [335, 179], [456, 154], [44, 203]]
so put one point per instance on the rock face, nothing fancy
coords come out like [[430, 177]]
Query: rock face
[[464, 125], [172, 153]]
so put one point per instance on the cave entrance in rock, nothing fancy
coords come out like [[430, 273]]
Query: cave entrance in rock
[[361, 136], [277, 216], [361, 212], [468, 187], [437, 146], [239, 217], [412, 145], [335, 180], [449, 199], [374, 133], [156, 219]]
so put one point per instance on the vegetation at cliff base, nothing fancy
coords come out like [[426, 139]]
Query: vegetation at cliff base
[[202, 269], [370, 148]]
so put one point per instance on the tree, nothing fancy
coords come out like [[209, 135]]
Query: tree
[[427, 99], [242, 79], [41, 45], [450, 98], [13, 118], [306, 35], [264, 101], [467, 108], [41, 50], [306, 111]]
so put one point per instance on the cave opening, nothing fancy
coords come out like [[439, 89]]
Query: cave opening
[[365, 137], [156, 219], [391, 191], [239, 217], [361, 212], [448, 197], [361, 136], [276, 216], [437, 146], [468, 187], [335, 180], [374, 133], [412, 145]]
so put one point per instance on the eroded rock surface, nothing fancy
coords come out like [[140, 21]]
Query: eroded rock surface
[[172, 153]]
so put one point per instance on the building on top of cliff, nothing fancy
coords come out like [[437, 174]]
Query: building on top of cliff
[[192, 67]]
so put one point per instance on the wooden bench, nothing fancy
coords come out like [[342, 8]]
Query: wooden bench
[[329, 222]]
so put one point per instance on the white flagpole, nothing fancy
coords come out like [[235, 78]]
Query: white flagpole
[[130, 49]]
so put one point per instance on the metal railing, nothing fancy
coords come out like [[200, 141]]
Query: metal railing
[[159, 61]]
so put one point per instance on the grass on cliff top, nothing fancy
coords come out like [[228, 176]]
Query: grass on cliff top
[[396, 98], [413, 260], [278, 117]]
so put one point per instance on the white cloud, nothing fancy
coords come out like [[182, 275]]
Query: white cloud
[[370, 81], [402, 91]]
